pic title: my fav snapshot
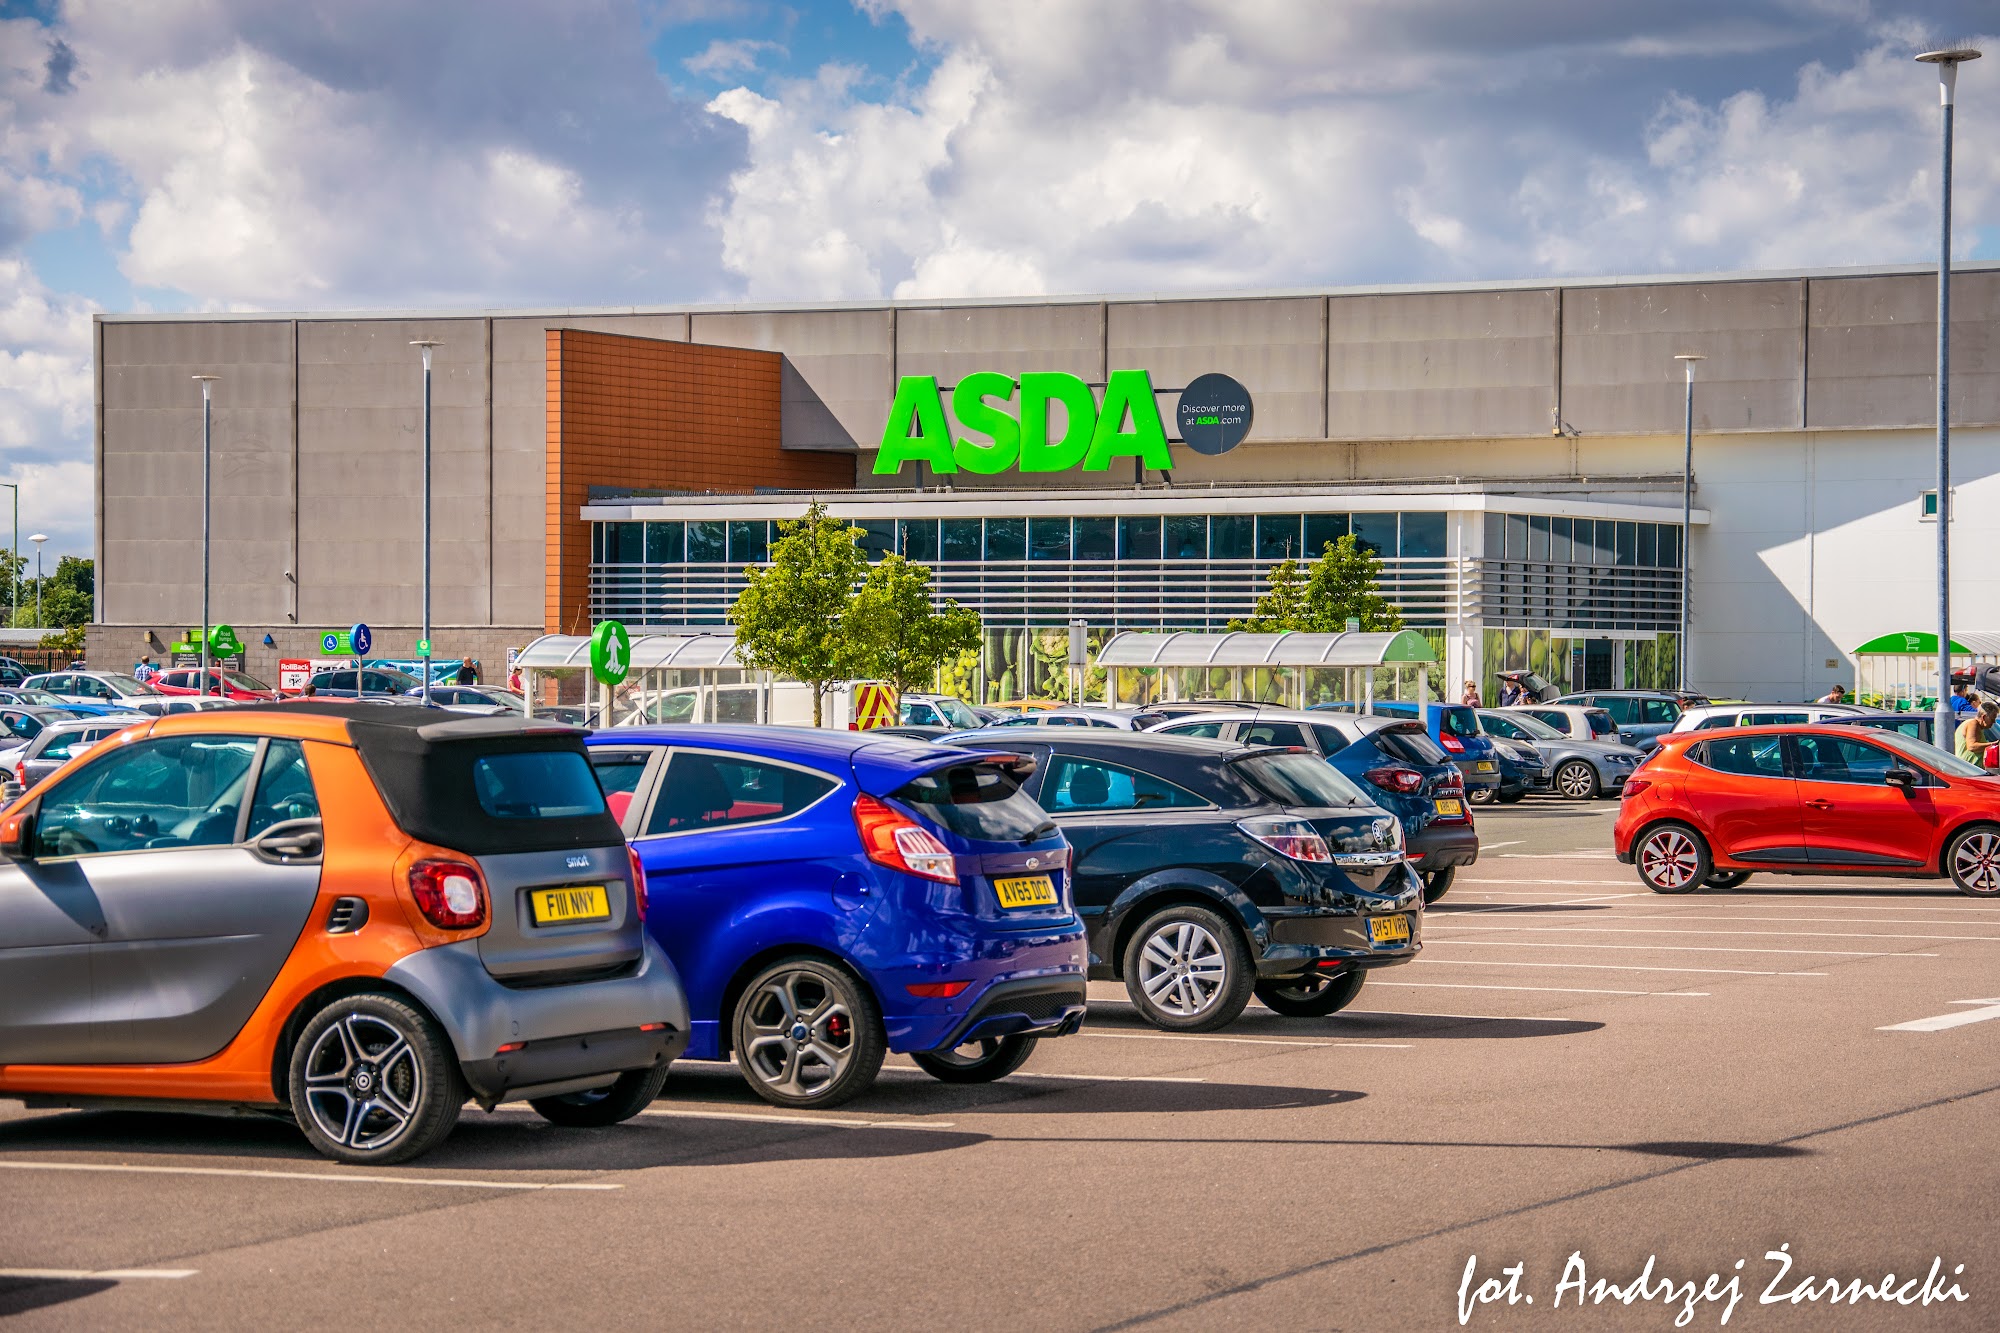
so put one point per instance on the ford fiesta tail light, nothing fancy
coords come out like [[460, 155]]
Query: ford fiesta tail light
[[895, 840], [1293, 838], [639, 899], [1396, 779], [451, 894]]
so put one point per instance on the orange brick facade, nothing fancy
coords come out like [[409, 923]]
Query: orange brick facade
[[639, 412]]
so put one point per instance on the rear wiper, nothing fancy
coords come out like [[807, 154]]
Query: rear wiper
[[1040, 832]]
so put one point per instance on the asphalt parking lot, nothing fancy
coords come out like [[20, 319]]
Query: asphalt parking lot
[[1574, 1066]]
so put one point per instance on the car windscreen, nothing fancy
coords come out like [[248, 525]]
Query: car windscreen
[[1535, 727], [1411, 745], [977, 801], [957, 714], [124, 685], [1299, 778], [1910, 748], [488, 795], [243, 680], [1600, 722]]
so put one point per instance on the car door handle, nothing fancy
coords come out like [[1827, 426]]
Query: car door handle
[[293, 840], [1819, 803]]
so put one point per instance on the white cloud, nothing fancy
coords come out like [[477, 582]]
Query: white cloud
[[726, 56]]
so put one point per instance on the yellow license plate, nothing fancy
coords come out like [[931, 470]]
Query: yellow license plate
[[559, 907], [1026, 891], [1450, 808], [1483, 766], [1389, 929]]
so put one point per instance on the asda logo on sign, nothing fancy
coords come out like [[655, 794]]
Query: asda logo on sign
[[1007, 424]]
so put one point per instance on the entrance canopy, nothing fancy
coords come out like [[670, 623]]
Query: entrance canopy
[[1292, 648], [1352, 669]]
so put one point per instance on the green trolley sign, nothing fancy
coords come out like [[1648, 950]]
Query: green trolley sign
[[610, 652]]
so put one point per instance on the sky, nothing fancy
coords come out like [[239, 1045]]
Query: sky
[[172, 155]]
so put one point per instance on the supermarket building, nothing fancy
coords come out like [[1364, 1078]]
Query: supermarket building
[[1511, 451]]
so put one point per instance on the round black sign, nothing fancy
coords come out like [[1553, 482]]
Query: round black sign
[[1214, 414]]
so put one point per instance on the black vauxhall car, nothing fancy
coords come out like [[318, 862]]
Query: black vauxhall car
[[1206, 871]]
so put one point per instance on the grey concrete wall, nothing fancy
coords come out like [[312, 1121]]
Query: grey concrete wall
[[845, 361], [115, 647], [149, 471], [1619, 376], [1440, 365], [1276, 349], [1873, 351]]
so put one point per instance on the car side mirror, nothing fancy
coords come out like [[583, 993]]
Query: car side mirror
[[1905, 778], [17, 834]]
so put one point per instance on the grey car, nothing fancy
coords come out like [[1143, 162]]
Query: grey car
[[489, 700], [1578, 770], [59, 742]]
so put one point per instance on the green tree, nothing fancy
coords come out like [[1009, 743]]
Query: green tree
[[67, 641], [1344, 583], [794, 617], [905, 634]]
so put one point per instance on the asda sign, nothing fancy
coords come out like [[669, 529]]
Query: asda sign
[[1007, 423]]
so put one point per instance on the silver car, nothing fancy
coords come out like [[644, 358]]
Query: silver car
[[1578, 769], [102, 688], [60, 742]]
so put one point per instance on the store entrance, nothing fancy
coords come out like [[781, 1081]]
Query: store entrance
[[1599, 668]]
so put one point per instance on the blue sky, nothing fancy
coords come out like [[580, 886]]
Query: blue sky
[[340, 154]]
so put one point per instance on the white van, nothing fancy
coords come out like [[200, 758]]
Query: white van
[[786, 703]]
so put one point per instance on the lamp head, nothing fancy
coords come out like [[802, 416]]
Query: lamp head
[[425, 344], [38, 538], [1948, 60]]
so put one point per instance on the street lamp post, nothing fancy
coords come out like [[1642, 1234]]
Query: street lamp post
[[1687, 359], [38, 538], [426, 345], [1947, 62], [207, 383]]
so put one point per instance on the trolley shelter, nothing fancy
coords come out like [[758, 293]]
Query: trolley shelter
[[1900, 671], [1295, 668]]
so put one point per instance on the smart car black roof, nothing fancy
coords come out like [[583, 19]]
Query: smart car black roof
[[413, 723]]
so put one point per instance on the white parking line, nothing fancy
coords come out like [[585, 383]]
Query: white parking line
[[317, 1177], [97, 1274], [1814, 920], [1618, 967], [822, 1122], [1244, 1041], [1404, 1013], [1559, 990], [1526, 885], [1430, 942], [1944, 1021], [1087, 1078], [1745, 934]]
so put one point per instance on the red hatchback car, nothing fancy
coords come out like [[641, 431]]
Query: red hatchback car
[[236, 686], [1711, 807]]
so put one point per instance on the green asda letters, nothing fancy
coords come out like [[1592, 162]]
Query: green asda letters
[[982, 402]]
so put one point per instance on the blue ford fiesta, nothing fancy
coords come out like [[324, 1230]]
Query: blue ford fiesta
[[829, 896]]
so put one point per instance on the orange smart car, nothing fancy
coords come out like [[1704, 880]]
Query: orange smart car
[[362, 914]]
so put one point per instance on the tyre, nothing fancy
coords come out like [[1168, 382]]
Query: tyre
[[373, 1081], [1725, 879], [1187, 969], [1972, 859], [1481, 796], [808, 1034], [1507, 799], [633, 1092], [978, 1061], [1575, 780], [1672, 858], [1437, 881], [1313, 996]]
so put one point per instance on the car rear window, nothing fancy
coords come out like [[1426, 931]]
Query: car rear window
[[548, 784], [488, 795], [977, 801], [1411, 745], [1458, 720], [1600, 722], [1299, 779]]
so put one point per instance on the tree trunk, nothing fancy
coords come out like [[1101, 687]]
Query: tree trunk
[[819, 696]]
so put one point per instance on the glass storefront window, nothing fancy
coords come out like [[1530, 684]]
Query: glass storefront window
[[1229, 537], [1628, 543], [1496, 536], [1321, 529], [708, 543], [878, 536], [1187, 537], [1649, 544], [1423, 536], [666, 543], [959, 539], [1139, 538], [1559, 541], [1278, 537], [1517, 536], [1096, 538], [1006, 539], [1670, 546], [918, 538], [1375, 533], [1580, 542], [627, 544], [1538, 537], [748, 542], [1048, 538]]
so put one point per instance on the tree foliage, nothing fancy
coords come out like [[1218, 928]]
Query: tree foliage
[[905, 634], [1343, 584], [794, 617], [67, 595]]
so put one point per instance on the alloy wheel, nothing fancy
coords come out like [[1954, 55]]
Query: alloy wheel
[[1669, 860], [1975, 863], [1182, 968], [1576, 781], [800, 1033], [363, 1082]]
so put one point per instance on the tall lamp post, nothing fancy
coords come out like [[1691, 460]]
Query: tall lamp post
[[1947, 62], [1687, 359], [14, 552], [207, 383], [38, 538], [427, 345]]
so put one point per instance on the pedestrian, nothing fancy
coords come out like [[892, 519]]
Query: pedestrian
[[309, 691], [1962, 701], [145, 671], [1975, 734], [1836, 695], [1471, 696], [468, 674], [1510, 692]]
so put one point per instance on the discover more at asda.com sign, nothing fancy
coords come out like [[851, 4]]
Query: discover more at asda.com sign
[[1213, 416]]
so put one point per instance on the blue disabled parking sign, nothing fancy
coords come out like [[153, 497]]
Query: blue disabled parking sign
[[363, 640], [329, 642]]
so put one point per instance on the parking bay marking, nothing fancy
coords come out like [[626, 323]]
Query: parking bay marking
[[1246, 1041], [1083, 1078], [752, 1117], [1432, 941], [95, 1274], [1824, 921], [1618, 967], [1557, 990], [1943, 1021], [1745, 934], [437, 1182]]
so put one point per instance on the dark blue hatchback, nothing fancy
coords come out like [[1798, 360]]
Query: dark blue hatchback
[[829, 896]]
